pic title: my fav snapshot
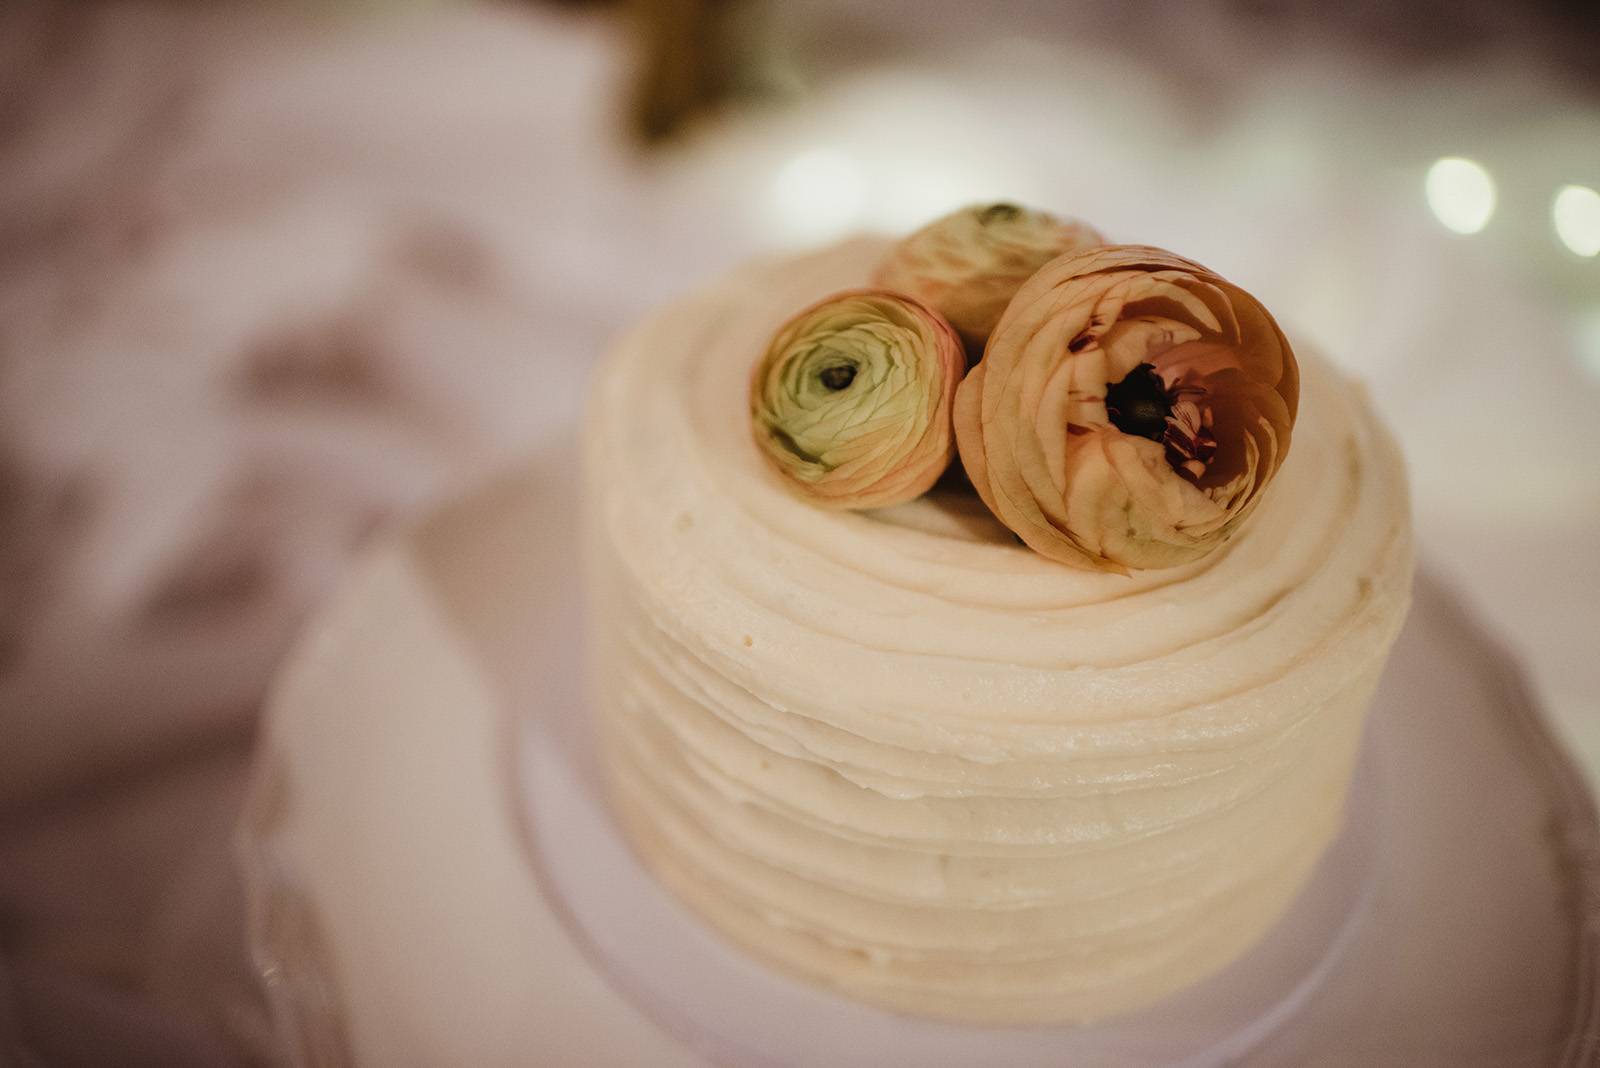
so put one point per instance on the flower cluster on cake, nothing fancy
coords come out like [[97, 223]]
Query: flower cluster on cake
[[967, 638], [1125, 407]]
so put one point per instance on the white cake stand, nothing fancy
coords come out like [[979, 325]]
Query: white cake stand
[[435, 882]]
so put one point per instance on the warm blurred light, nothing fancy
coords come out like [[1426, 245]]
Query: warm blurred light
[[818, 195], [1576, 214], [1461, 194]]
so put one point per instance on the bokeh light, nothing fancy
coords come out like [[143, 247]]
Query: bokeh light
[[1576, 214], [818, 195], [1461, 194]]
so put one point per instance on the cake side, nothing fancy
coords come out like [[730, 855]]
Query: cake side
[[899, 754]]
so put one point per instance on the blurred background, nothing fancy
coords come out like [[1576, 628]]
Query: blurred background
[[274, 275]]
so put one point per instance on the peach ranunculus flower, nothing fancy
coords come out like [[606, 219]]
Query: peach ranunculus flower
[[851, 402], [1129, 410], [969, 264]]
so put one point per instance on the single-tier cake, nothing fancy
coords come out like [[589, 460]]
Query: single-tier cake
[[902, 754]]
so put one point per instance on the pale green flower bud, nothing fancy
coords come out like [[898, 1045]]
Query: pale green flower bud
[[851, 402]]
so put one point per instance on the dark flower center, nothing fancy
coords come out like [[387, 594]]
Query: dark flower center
[[1139, 404], [837, 377], [1001, 212]]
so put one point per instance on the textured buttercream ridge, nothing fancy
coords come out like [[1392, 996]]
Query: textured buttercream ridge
[[1083, 989], [957, 882], [724, 741], [813, 793], [922, 929]]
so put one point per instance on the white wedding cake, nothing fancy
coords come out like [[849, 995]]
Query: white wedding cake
[[901, 754]]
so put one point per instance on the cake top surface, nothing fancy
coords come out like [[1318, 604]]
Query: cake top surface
[[769, 579]]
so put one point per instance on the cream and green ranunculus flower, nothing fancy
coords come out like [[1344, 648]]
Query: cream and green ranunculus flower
[[969, 264], [1129, 410], [851, 402]]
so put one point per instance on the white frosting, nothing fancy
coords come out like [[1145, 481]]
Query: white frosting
[[899, 753]]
